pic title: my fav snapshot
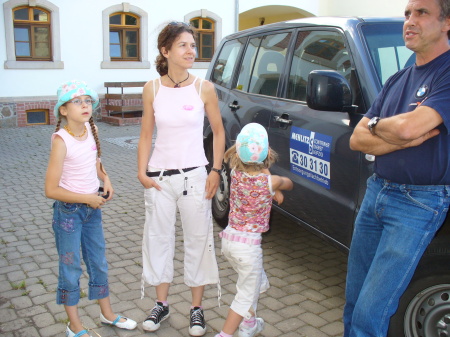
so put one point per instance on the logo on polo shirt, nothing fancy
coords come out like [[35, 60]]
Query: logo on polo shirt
[[423, 90]]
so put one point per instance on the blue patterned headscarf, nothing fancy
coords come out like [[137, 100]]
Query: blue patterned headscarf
[[252, 144]]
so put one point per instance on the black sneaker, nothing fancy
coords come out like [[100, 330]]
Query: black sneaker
[[159, 313], [197, 326]]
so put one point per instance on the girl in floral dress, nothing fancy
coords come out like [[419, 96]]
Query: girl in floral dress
[[252, 190]]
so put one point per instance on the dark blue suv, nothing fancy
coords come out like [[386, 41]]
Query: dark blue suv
[[309, 82]]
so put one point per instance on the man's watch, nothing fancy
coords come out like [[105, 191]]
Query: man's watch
[[216, 170], [372, 123]]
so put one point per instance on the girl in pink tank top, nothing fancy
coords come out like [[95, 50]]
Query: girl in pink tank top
[[174, 175], [72, 178]]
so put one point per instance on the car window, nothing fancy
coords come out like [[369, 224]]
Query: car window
[[387, 48], [263, 63], [223, 68], [316, 50]]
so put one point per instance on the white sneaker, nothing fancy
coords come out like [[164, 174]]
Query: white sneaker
[[245, 331]]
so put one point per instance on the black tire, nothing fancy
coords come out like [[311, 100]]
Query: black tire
[[424, 309], [221, 201]]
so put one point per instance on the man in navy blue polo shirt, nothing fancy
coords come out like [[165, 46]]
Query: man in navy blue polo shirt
[[407, 198]]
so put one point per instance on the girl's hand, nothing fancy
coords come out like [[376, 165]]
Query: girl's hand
[[148, 182], [278, 197], [107, 189], [96, 201], [212, 183]]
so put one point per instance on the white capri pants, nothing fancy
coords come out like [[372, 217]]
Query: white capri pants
[[247, 260], [158, 245]]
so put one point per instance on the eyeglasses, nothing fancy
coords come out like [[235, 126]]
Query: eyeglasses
[[177, 23], [78, 101]]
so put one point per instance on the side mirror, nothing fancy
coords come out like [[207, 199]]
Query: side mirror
[[328, 90]]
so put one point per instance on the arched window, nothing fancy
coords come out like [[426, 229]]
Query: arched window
[[124, 37], [32, 35], [205, 29]]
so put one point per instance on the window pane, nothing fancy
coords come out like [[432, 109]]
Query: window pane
[[195, 23], [21, 34], [42, 50], [223, 69], [41, 38], [131, 37], [114, 19], [206, 24], [39, 15], [130, 20], [37, 117], [207, 39], [22, 49], [114, 37], [269, 64], [114, 50], [41, 34], [131, 50], [247, 64], [387, 49], [21, 14], [207, 52], [320, 50]]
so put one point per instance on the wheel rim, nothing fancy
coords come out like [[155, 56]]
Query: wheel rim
[[222, 193], [428, 314]]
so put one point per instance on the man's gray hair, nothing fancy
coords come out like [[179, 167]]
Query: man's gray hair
[[445, 8]]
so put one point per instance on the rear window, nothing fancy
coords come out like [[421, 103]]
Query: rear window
[[387, 48]]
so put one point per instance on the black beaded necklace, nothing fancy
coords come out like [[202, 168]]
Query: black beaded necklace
[[177, 85]]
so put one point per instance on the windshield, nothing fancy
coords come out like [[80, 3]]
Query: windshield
[[387, 48]]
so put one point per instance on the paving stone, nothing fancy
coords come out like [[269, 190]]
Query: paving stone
[[307, 276]]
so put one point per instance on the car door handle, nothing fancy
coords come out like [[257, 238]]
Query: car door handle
[[234, 106], [283, 120]]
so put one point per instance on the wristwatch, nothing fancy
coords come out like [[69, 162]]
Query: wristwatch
[[372, 123], [216, 170]]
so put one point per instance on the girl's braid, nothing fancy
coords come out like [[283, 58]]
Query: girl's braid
[[58, 124], [97, 141]]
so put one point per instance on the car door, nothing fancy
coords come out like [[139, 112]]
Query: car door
[[313, 146], [256, 81]]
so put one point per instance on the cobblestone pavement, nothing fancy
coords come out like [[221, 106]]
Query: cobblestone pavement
[[307, 276]]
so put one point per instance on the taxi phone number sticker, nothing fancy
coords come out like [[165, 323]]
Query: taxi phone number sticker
[[310, 155]]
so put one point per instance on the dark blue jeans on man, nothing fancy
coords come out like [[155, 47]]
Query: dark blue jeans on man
[[393, 228]]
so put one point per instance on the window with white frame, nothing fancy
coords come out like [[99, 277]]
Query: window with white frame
[[32, 35], [209, 27], [125, 37]]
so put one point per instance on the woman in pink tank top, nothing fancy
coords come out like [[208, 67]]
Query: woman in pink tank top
[[174, 175]]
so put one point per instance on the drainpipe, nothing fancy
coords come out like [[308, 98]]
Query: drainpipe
[[236, 8]]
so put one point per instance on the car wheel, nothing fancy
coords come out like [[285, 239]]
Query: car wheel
[[221, 200], [220, 206], [424, 309]]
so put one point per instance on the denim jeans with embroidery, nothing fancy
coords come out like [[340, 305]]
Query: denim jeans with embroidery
[[394, 226], [77, 224]]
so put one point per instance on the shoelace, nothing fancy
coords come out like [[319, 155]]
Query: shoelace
[[154, 315], [197, 317]]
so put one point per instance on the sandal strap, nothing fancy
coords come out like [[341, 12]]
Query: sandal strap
[[116, 320], [81, 333]]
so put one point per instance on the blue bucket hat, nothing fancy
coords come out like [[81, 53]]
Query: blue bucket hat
[[71, 89], [252, 144]]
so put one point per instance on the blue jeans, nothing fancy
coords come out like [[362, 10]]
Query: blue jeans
[[75, 225], [392, 230]]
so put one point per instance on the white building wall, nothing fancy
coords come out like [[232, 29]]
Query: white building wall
[[312, 6], [82, 45], [82, 39], [362, 8]]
